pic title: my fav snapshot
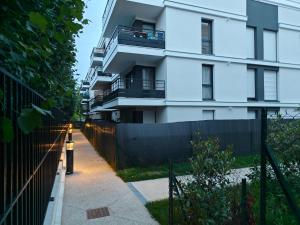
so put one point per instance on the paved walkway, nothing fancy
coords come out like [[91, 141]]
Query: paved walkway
[[158, 189], [95, 185]]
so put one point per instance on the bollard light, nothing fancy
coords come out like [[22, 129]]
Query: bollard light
[[70, 156], [71, 126], [70, 146], [70, 134]]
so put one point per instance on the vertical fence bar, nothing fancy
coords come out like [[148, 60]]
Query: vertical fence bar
[[27, 164], [244, 203], [171, 203], [263, 167]]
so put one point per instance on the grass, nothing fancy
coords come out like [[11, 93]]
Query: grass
[[155, 172], [160, 211]]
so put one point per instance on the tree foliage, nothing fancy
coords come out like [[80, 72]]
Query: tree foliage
[[37, 44]]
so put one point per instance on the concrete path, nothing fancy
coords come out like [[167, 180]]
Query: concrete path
[[94, 185], [158, 189]]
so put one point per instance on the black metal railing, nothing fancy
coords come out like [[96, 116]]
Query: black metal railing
[[129, 83], [28, 163], [97, 101], [135, 88], [137, 37], [267, 155]]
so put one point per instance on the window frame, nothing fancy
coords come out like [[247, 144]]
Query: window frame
[[208, 85], [210, 22]]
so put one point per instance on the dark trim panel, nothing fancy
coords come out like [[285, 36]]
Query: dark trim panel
[[261, 16]]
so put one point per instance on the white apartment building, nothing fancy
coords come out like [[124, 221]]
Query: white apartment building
[[189, 60]]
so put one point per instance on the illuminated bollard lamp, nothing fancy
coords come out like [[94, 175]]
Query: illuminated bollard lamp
[[70, 134], [70, 157]]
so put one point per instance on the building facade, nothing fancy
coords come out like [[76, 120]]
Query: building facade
[[188, 60]]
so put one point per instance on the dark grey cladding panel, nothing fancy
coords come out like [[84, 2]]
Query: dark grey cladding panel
[[262, 15]]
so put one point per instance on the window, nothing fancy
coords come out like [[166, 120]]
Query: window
[[146, 27], [270, 45], [207, 82], [208, 115], [251, 84], [270, 85], [250, 43], [207, 37], [148, 78]]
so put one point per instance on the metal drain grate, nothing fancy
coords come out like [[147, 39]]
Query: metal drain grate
[[97, 213]]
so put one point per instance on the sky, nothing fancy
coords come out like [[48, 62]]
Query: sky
[[90, 36]]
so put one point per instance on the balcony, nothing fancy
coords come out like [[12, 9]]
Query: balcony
[[121, 12], [135, 88], [129, 45], [85, 85], [96, 57], [100, 80], [97, 101]]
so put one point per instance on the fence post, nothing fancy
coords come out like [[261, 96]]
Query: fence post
[[171, 193], [263, 167], [244, 202]]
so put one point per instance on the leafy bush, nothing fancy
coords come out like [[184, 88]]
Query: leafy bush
[[284, 139], [206, 200]]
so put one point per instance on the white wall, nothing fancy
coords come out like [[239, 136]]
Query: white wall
[[172, 114], [289, 85], [184, 80], [289, 46], [230, 6], [184, 34]]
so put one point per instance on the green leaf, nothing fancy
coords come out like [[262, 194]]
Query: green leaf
[[6, 130], [59, 37], [38, 20], [29, 120]]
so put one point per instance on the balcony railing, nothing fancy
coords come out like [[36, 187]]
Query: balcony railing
[[99, 73], [135, 88], [137, 37], [97, 101], [106, 12]]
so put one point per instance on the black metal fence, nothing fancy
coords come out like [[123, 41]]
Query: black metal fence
[[102, 136], [153, 144], [28, 164]]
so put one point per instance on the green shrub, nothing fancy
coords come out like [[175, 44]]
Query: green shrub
[[207, 201]]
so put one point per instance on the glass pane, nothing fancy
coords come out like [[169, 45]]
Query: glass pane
[[251, 83], [148, 27], [206, 37], [207, 92], [206, 75], [148, 78]]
